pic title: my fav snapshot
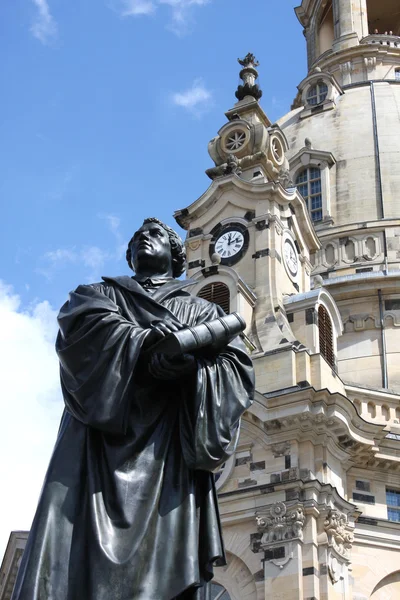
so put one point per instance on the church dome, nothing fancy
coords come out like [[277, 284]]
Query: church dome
[[359, 127]]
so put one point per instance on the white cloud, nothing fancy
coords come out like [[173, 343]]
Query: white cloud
[[44, 27], [61, 255], [182, 13], [114, 223], [31, 406], [133, 8], [196, 99], [94, 258]]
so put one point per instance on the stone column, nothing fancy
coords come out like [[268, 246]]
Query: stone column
[[282, 543], [360, 19], [348, 19]]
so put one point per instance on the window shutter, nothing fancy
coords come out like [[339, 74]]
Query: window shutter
[[326, 336], [218, 293]]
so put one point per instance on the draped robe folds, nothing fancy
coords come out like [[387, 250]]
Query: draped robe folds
[[128, 509]]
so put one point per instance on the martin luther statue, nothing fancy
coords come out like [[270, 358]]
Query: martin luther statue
[[128, 509]]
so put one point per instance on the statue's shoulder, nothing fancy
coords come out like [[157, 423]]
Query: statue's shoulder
[[199, 301], [109, 284], [100, 287], [204, 305]]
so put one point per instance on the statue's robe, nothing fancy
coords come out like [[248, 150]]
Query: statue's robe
[[128, 510]]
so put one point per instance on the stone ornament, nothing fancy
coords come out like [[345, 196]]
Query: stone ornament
[[232, 165], [285, 178], [339, 538], [335, 569], [281, 449], [281, 525], [248, 75]]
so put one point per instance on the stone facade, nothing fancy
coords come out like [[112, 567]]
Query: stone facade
[[309, 500]]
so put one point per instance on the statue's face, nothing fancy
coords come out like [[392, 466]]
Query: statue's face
[[151, 249]]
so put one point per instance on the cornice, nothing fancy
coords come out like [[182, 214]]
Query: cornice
[[304, 11], [376, 226], [329, 60], [10, 564], [321, 417], [352, 284]]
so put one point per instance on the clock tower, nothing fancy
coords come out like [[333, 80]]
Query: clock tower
[[250, 233], [250, 244]]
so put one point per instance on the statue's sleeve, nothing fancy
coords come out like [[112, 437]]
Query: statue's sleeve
[[98, 349], [211, 408]]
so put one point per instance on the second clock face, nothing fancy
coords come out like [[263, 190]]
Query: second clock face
[[229, 244], [290, 257]]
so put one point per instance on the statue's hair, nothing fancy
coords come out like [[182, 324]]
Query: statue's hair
[[178, 252]]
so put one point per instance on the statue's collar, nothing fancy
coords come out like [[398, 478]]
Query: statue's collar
[[169, 288], [152, 281]]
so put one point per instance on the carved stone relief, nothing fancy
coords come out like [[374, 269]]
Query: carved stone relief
[[282, 449], [370, 248], [281, 525], [336, 528], [348, 250], [330, 254]]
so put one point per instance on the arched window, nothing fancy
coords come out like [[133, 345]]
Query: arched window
[[397, 74], [326, 336], [309, 185], [317, 93], [218, 293], [215, 591]]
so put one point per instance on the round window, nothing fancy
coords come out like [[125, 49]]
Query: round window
[[235, 140], [277, 150]]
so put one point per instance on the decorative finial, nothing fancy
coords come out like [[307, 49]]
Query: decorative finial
[[248, 60], [248, 75]]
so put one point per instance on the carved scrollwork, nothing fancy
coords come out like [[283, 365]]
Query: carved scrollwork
[[281, 525], [280, 449], [336, 528]]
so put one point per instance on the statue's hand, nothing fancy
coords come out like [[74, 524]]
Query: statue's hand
[[168, 369], [158, 331]]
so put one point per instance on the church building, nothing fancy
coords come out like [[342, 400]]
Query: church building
[[299, 232]]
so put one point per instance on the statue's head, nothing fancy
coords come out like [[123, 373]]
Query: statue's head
[[156, 248]]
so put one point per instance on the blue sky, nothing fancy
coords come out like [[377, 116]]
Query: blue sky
[[107, 107]]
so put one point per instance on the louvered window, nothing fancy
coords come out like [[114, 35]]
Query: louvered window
[[218, 293], [326, 336]]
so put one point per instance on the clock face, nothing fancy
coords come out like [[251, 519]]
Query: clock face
[[229, 244], [290, 257]]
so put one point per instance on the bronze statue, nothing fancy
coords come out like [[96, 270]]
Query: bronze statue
[[128, 509]]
